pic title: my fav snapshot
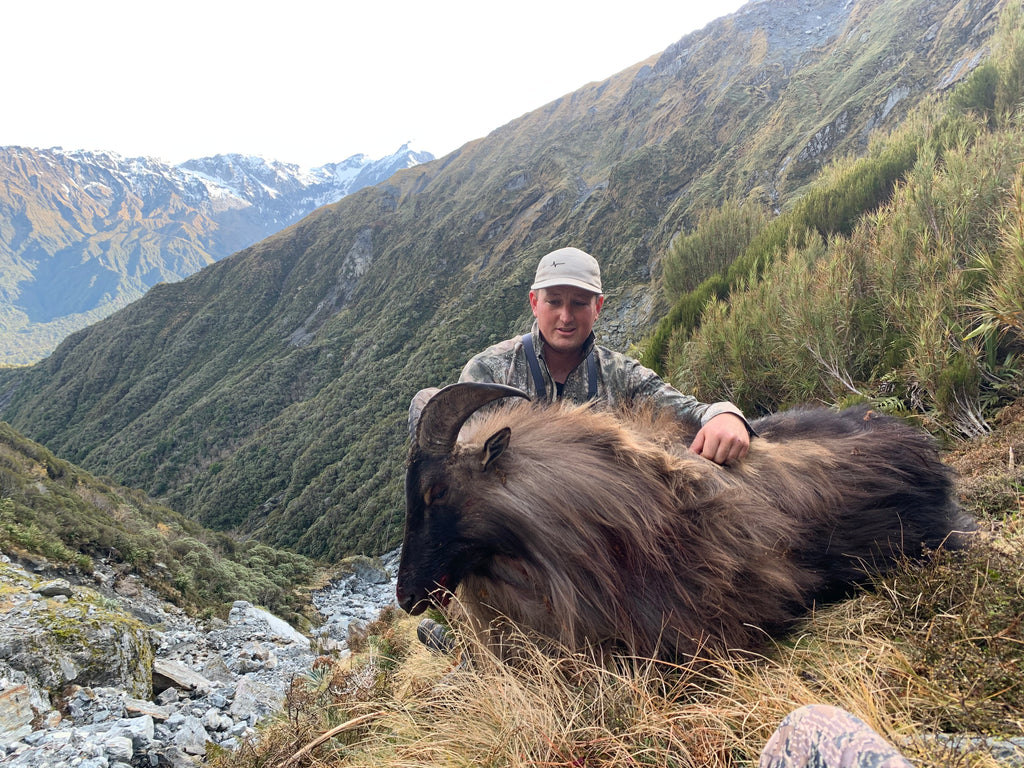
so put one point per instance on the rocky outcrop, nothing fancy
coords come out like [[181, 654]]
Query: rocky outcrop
[[185, 686], [60, 635]]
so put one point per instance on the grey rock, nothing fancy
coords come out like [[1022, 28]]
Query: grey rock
[[213, 720], [140, 730], [238, 729], [255, 699], [118, 748], [191, 737], [15, 713], [168, 674], [175, 757], [96, 647], [244, 613], [140, 707], [55, 588], [216, 670], [368, 570], [168, 696]]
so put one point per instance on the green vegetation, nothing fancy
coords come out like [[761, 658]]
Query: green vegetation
[[22, 341], [914, 306], [268, 393], [831, 207], [52, 509]]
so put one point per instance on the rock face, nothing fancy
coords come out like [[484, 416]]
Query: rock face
[[119, 690], [61, 636]]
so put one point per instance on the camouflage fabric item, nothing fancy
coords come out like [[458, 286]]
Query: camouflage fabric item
[[820, 736], [622, 381]]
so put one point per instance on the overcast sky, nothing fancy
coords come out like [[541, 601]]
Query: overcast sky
[[309, 82]]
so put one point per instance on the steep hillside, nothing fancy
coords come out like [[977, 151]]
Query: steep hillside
[[83, 234], [56, 515], [269, 391]]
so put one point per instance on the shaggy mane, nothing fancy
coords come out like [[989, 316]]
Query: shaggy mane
[[602, 530]]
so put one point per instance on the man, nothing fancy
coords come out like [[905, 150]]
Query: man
[[566, 298], [558, 360]]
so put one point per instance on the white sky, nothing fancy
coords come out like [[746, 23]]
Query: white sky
[[309, 81]]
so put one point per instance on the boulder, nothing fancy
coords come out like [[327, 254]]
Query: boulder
[[55, 588], [254, 700], [367, 570], [15, 714], [140, 731], [146, 708], [216, 670], [81, 639], [174, 674], [192, 737]]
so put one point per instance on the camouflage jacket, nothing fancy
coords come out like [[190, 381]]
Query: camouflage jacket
[[622, 381]]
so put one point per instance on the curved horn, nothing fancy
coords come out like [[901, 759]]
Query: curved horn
[[444, 414]]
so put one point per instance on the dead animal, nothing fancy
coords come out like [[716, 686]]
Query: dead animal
[[601, 531]]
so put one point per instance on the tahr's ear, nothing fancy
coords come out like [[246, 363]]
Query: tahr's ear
[[494, 447]]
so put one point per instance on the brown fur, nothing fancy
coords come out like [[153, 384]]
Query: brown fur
[[601, 531]]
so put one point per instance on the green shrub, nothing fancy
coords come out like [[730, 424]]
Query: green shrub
[[916, 307], [721, 235]]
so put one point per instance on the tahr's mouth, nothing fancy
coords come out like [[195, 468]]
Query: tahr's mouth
[[441, 596]]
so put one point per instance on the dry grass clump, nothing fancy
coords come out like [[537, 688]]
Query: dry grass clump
[[931, 656], [931, 650], [991, 468]]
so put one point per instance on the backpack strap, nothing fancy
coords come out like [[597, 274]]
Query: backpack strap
[[591, 375], [538, 378], [531, 358]]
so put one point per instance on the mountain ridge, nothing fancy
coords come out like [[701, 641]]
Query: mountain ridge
[[87, 232], [267, 393]]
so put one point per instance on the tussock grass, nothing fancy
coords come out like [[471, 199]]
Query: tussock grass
[[927, 653]]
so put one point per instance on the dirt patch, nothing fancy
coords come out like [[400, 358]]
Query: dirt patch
[[991, 468]]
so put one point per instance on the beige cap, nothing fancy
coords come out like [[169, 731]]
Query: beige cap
[[568, 266]]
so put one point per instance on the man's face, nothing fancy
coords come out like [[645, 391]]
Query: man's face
[[565, 315]]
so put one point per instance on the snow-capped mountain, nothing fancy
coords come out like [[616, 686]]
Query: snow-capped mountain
[[283, 192], [83, 233]]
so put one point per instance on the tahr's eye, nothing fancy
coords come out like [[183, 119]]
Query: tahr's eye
[[435, 493]]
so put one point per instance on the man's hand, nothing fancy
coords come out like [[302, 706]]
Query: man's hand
[[723, 439]]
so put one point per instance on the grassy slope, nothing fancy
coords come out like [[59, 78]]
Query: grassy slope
[[901, 290], [54, 512], [268, 392]]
